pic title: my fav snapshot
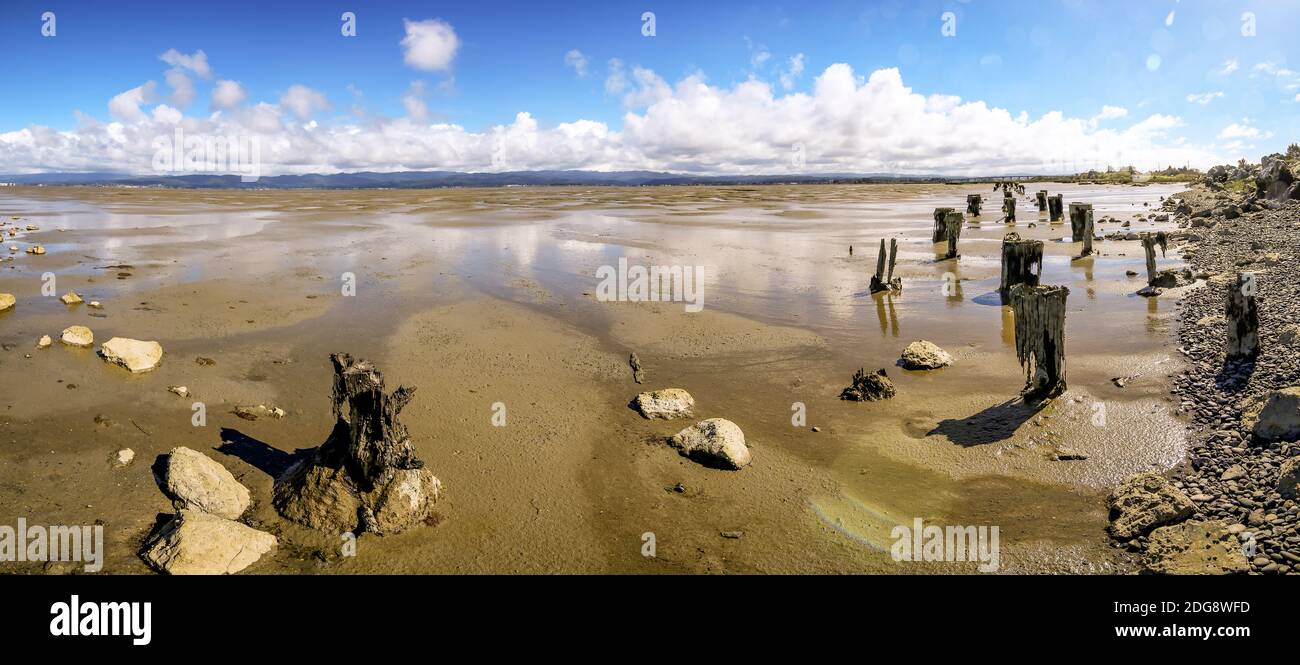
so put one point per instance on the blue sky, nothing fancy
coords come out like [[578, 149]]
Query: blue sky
[[1075, 57]]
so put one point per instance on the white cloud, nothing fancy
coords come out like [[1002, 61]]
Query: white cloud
[[303, 101], [413, 100], [616, 80], [1204, 98], [182, 87], [196, 62], [430, 44], [1108, 112], [228, 94], [793, 70], [846, 122], [1243, 130], [1229, 66], [577, 61], [126, 106]]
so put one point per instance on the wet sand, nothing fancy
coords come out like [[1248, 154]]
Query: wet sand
[[480, 296]]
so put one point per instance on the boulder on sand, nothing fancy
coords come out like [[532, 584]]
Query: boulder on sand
[[666, 404], [7, 301], [196, 543], [1275, 417], [133, 354], [1144, 502], [77, 336], [715, 442], [1195, 548], [925, 355], [194, 481], [71, 298], [869, 387]]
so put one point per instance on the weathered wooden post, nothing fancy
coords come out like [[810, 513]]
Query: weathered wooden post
[[1149, 242], [1055, 205], [1081, 225], [1040, 338], [1022, 263], [973, 202], [882, 281], [952, 232], [1009, 209], [1243, 317], [1042, 200], [939, 213]]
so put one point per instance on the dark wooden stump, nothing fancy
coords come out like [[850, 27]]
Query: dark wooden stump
[[973, 202], [1081, 225], [1055, 204], [1042, 200], [952, 223], [938, 234], [1243, 317], [366, 476], [882, 280], [1009, 209], [1040, 338], [1022, 263]]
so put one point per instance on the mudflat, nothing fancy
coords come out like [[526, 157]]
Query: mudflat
[[486, 301]]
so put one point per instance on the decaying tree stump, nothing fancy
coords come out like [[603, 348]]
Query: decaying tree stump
[[366, 476], [1042, 200], [973, 202], [882, 281], [952, 232], [1243, 317], [1009, 208], [1157, 279], [1040, 338], [938, 234], [1081, 225], [1022, 263], [1055, 205]]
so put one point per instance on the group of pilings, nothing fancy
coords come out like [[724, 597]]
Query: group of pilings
[[882, 280]]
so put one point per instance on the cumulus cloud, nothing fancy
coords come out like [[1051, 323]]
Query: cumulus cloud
[[1204, 98], [228, 94], [577, 61], [794, 69], [196, 62], [413, 100], [1243, 130], [616, 79], [846, 122], [303, 101], [429, 45]]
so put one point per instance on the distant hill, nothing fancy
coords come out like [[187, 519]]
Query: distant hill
[[435, 179]]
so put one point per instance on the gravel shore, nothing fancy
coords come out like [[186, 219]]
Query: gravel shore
[[1228, 475]]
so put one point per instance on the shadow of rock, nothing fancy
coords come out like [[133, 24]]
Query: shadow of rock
[[996, 423]]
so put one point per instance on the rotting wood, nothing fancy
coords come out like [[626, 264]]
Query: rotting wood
[[1081, 226], [1009, 209], [1041, 198], [1243, 317], [1055, 203], [1022, 263], [1040, 338], [952, 233], [938, 234], [882, 281], [973, 202]]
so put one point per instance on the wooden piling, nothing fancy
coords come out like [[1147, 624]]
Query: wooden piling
[[1022, 263], [938, 234], [882, 280], [1081, 225], [1009, 209], [952, 223], [1055, 204], [1149, 243], [973, 202], [1243, 317], [1040, 338], [1042, 200]]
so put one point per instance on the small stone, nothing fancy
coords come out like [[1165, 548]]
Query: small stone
[[7, 301], [123, 457], [816, 428], [923, 354], [44, 342], [180, 391], [713, 442], [78, 336], [71, 298], [733, 535], [1233, 472], [665, 404], [1288, 478], [259, 411], [95, 304], [36, 249], [1066, 455], [133, 354]]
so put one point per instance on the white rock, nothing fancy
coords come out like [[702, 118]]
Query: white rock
[[77, 336], [179, 390], [71, 298], [95, 304], [925, 355], [667, 404], [259, 411], [44, 342], [195, 481], [713, 442], [7, 301], [36, 249], [196, 543], [124, 457], [133, 354]]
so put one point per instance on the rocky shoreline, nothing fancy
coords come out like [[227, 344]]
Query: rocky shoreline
[[1235, 484]]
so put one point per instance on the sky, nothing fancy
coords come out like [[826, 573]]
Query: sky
[[966, 87]]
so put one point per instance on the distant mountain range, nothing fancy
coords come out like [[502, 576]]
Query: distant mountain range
[[434, 179]]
